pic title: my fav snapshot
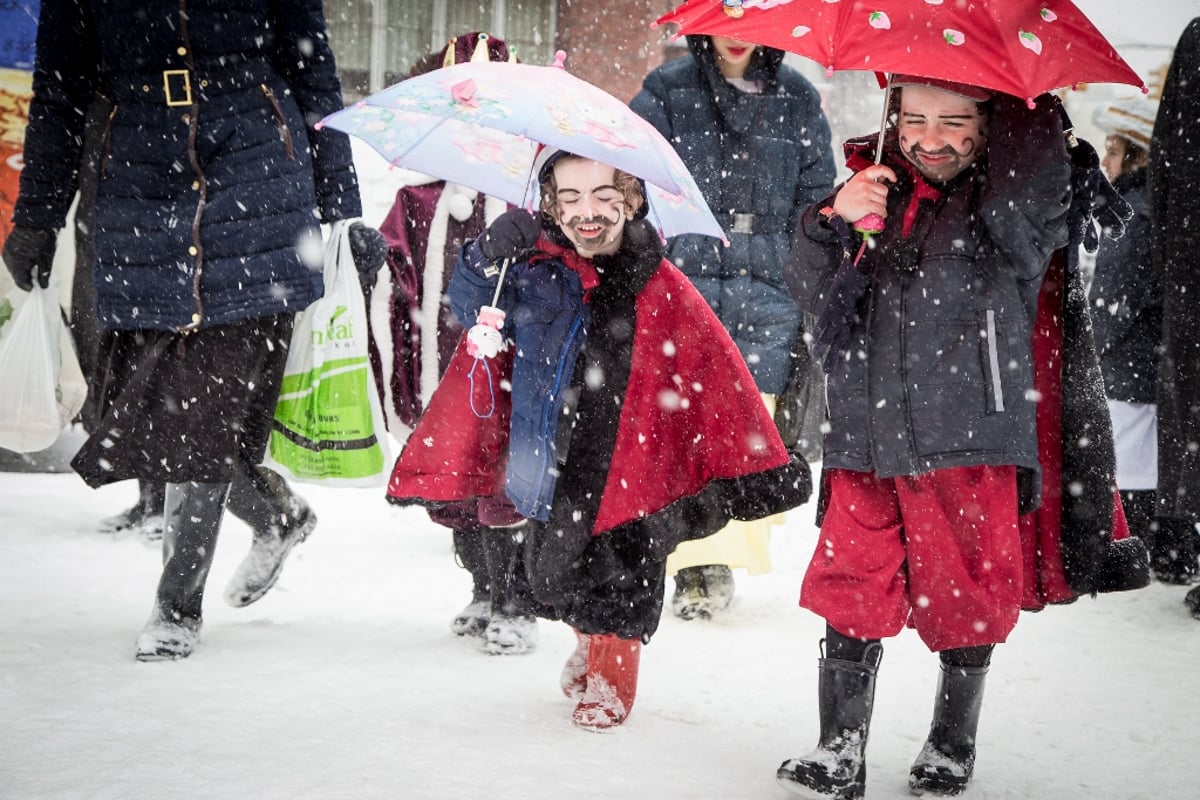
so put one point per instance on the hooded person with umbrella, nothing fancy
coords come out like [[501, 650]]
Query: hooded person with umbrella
[[932, 450], [627, 423]]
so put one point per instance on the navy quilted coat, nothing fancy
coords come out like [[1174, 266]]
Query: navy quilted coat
[[212, 172], [758, 158]]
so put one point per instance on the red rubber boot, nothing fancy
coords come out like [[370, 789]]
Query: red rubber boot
[[612, 673]]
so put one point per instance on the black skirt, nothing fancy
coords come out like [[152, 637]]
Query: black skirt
[[174, 407]]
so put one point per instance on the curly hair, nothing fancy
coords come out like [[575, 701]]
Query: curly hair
[[628, 185]]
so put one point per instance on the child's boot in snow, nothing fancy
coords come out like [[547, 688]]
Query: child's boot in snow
[[193, 519], [947, 759], [837, 768], [474, 618], [279, 519], [574, 675], [612, 674], [510, 631]]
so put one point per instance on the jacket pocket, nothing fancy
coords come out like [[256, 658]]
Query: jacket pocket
[[285, 133], [990, 355]]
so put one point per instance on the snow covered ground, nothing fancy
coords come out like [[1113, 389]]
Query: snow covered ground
[[345, 681]]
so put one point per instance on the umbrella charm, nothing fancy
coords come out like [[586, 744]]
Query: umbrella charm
[[464, 92]]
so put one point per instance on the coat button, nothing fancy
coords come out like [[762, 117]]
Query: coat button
[[145, 87], [196, 185], [195, 318], [192, 250], [186, 118], [182, 51]]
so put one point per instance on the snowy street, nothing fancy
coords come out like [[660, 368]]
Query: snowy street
[[345, 681]]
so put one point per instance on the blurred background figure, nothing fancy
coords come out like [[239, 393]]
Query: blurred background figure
[[751, 131], [1126, 299], [1174, 188], [415, 334]]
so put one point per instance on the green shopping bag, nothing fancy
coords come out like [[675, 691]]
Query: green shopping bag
[[329, 425]]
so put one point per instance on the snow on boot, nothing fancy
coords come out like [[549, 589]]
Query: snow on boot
[[947, 759], [474, 618], [690, 600], [280, 521], [718, 584], [837, 768], [1192, 601], [146, 512], [167, 637], [612, 674], [510, 634], [193, 520], [574, 675], [262, 566]]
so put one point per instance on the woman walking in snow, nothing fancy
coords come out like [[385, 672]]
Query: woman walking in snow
[[212, 181]]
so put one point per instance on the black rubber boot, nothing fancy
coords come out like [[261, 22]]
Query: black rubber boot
[[947, 759], [473, 620], [837, 768], [193, 519], [280, 520], [511, 629]]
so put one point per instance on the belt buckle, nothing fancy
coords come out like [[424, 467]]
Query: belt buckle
[[743, 223], [168, 74]]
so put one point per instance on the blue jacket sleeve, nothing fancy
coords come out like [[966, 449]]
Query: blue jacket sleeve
[[65, 71], [305, 61], [473, 284]]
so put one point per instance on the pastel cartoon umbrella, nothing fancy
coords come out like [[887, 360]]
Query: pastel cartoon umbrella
[[482, 124]]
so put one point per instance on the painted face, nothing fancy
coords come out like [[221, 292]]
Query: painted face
[[733, 55], [941, 133], [590, 209]]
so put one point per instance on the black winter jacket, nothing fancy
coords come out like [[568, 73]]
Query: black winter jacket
[[1126, 303], [760, 159], [939, 372], [212, 172], [1174, 187]]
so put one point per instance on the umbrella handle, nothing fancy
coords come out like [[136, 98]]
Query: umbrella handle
[[887, 97], [500, 282]]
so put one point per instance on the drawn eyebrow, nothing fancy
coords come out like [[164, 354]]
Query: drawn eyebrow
[[593, 191]]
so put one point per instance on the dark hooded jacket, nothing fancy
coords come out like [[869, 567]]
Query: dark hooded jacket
[[213, 171], [939, 371], [760, 160], [1126, 303], [1174, 187]]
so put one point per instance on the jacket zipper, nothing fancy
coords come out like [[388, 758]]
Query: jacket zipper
[[280, 121], [106, 146], [555, 390]]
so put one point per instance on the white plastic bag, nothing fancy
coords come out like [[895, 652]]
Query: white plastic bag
[[329, 426], [41, 385]]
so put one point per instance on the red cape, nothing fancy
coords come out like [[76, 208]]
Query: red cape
[[692, 414]]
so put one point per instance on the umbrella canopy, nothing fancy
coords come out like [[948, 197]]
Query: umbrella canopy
[[1020, 47], [481, 125]]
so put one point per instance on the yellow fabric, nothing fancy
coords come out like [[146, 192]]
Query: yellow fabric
[[739, 545]]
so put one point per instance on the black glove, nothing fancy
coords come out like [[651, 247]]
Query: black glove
[[27, 250], [369, 249], [513, 233]]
